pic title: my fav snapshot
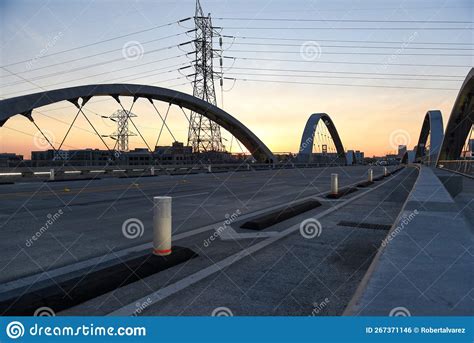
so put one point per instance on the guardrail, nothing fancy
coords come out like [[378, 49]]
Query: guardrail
[[463, 167], [69, 172]]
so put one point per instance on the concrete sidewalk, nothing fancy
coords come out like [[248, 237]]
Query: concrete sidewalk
[[426, 267]]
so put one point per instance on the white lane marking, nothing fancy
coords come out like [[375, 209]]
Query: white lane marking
[[189, 195], [189, 280]]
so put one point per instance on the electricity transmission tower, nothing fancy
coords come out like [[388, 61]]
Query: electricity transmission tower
[[122, 133], [204, 135]]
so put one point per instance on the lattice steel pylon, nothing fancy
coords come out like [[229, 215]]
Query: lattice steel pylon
[[121, 135], [204, 135]]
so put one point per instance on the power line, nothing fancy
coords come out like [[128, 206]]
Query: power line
[[354, 53], [95, 65], [355, 46], [346, 77], [342, 84], [98, 54], [89, 76], [344, 41], [349, 72], [348, 20], [106, 40], [349, 28], [346, 62]]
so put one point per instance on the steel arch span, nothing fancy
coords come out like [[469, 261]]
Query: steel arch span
[[25, 104], [460, 121], [433, 127], [306, 145]]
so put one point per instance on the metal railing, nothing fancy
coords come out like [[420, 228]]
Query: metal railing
[[61, 172], [464, 167]]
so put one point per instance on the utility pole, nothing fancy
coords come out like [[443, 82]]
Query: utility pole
[[204, 135], [122, 133]]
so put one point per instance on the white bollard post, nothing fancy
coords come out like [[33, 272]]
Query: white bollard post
[[209, 169], [248, 166], [385, 171], [370, 175], [334, 184], [162, 226], [152, 171], [51, 175]]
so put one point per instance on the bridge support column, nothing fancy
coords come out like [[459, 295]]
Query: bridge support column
[[334, 184], [162, 226]]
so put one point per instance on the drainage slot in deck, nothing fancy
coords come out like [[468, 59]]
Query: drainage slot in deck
[[65, 292], [364, 225], [341, 193], [279, 215]]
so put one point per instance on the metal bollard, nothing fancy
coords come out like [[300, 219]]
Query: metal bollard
[[334, 184], [152, 171], [371, 175], [385, 171], [162, 226], [209, 169], [51, 175]]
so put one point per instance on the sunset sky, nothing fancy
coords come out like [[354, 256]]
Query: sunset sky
[[353, 73]]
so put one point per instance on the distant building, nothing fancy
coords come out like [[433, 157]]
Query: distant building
[[84, 157], [177, 153], [359, 155], [10, 160], [402, 149]]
